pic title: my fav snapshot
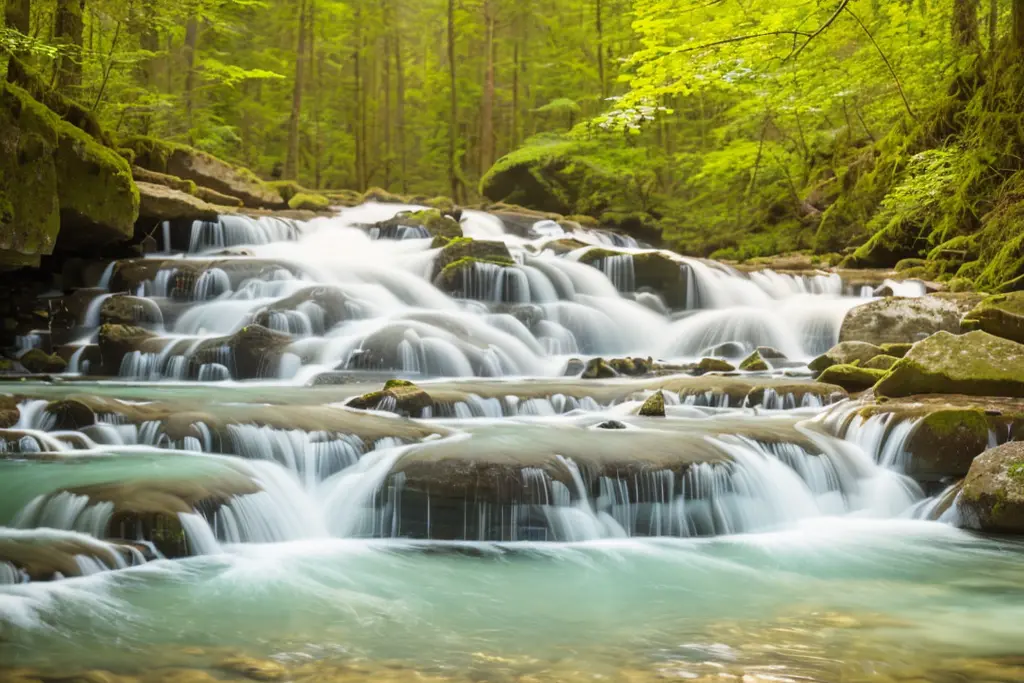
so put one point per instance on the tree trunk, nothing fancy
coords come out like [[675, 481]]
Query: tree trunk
[[514, 138], [386, 118], [291, 162], [600, 51], [965, 22], [191, 45], [400, 97], [453, 176], [17, 13], [1018, 24], [67, 32], [487, 102], [993, 24]]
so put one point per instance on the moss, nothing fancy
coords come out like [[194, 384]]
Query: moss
[[392, 383], [37, 87], [286, 188], [851, 377], [754, 363], [898, 350], [845, 353], [440, 203], [309, 201], [598, 368], [713, 365], [376, 194], [39, 362], [467, 250], [882, 362], [960, 284], [654, 406]]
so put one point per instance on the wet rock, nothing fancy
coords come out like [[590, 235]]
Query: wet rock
[[598, 368], [425, 223], [382, 196], [611, 424], [790, 395], [204, 169], [754, 363], [652, 270], [713, 365], [397, 396], [1001, 315], [727, 350], [309, 201], [39, 362], [845, 353], [161, 203], [218, 198], [574, 367], [331, 301], [993, 493], [121, 309], [881, 362], [905, 319], [976, 364], [49, 554], [9, 413], [851, 377], [897, 350], [128, 274], [143, 175], [116, 341], [252, 352], [654, 406], [254, 669]]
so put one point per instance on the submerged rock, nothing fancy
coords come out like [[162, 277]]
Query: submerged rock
[[654, 406], [992, 499], [1001, 315], [845, 353], [851, 377], [906, 319], [976, 364], [397, 396]]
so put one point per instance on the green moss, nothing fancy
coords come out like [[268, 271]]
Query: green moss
[[309, 202], [654, 406], [376, 194], [39, 362], [392, 383], [287, 188], [882, 362], [1001, 315], [713, 365], [898, 350], [440, 203], [754, 363], [851, 377]]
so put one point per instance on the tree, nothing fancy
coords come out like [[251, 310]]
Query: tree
[[965, 23]]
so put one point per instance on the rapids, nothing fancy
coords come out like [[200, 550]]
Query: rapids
[[194, 488]]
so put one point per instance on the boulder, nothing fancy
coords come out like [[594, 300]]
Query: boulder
[[204, 169], [427, 223], [467, 248], [143, 175], [382, 196], [881, 362], [653, 270], [851, 377], [713, 365], [122, 309], [598, 368], [38, 361], [898, 350], [9, 413], [992, 499], [1001, 315], [654, 406], [218, 198], [845, 353], [116, 341], [162, 203], [754, 363], [254, 352], [906, 319], [397, 396], [976, 364], [309, 201]]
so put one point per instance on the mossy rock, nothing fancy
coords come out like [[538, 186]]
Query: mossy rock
[[38, 361], [845, 353], [652, 270], [432, 222], [975, 364], [397, 396], [633, 367], [344, 197], [9, 412], [906, 319], [960, 284], [881, 362], [654, 406], [205, 170], [162, 203], [992, 499], [460, 248], [713, 365], [898, 350], [174, 182], [286, 188], [38, 88], [115, 341], [255, 352], [754, 363], [122, 309], [853, 378], [1001, 315], [444, 204], [382, 196], [598, 368], [309, 201], [218, 198], [945, 442]]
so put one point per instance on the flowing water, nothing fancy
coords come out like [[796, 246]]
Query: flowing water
[[193, 501]]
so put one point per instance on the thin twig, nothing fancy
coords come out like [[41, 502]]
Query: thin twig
[[821, 29], [738, 39], [895, 78]]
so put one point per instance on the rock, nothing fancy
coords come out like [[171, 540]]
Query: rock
[[143, 175], [177, 675], [122, 309], [851, 377], [904, 319], [897, 350], [309, 201], [612, 424], [332, 301], [882, 362], [160, 203], [713, 365], [754, 363], [254, 669], [1001, 315], [783, 395], [426, 223], [993, 493], [39, 362], [976, 364], [116, 341], [653, 270], [397, 396], [845, 353], [55, 178], [574, 367], [376, 194], [9, 413], [217, 198], [204, 169], [254, 352], [654, 406], [634, 367], [728, 350], [598, 368], [460, 248]]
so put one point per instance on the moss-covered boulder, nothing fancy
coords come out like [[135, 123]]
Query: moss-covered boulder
[[992, 498], [654, 406], [56, 178], [204, 169], [218, 198], [382, 196], [598, 368], [882, 362], [458, 270], [397, 396], [122, 309], [162, 203], [116, 341], [906, 319], [253, 352], [851, 377], [1001, 315], [143, 175], [754, 363], [465, 247], [976, 364], [427, 223], [309, 201], [39, 362], [653, 270], [898, 350], [845, 353], [945, 442], [713, 365]]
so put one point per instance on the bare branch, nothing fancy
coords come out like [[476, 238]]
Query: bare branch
[[821, 29], [895, 78], [739, 39]]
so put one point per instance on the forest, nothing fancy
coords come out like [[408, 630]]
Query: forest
[[868, 131]]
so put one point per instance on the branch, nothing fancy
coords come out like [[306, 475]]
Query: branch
[[885, 59], [739, 39], [821, 29]]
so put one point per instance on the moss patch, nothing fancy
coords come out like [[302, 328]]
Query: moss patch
[[309, 201], [851, 377]]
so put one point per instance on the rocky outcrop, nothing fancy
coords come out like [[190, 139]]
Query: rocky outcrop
[[976, 364], [143, 175], [57, 179], [906, 319], [218, 198], [851, 377], [204, 169], [1001, 315], [162, 203], [397, 396], [652, 270], [992, 498], [845, 353]]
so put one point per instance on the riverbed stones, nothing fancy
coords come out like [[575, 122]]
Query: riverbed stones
[[993, 493], [1001, 315], [906, 319], [845, 353], [976, 364]]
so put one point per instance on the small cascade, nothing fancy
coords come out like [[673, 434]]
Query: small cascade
[[619, 269]]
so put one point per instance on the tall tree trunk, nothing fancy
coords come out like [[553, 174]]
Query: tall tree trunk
[[191, 46], [514, 137], [1018, 24], [387, 107], [316, 65], [600, 50], [453, 176], [993, 24], [400, 97], [965, 22], [291, 162], [17, 14], [487, 102], [67, 32]]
